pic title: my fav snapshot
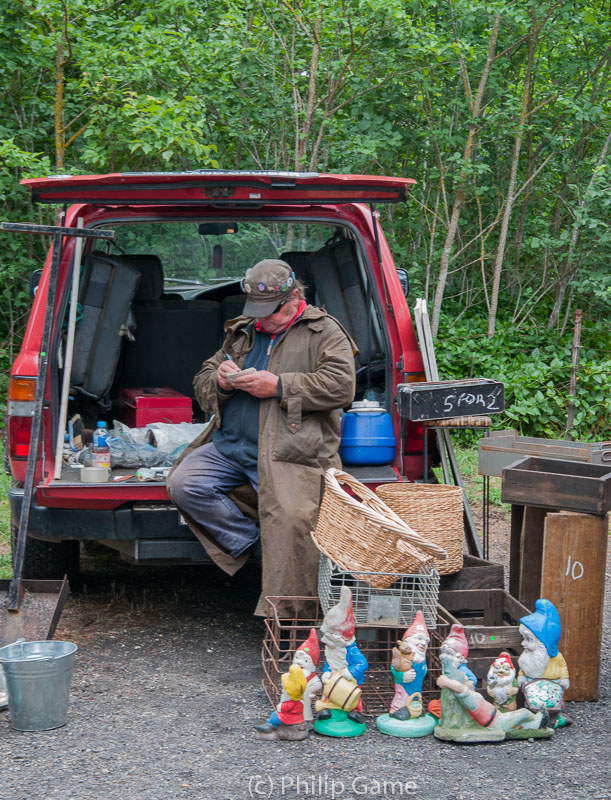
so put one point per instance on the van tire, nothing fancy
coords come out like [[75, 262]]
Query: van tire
[[49, 560]]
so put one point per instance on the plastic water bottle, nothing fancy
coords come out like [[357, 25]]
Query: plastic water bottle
[[100, 448]]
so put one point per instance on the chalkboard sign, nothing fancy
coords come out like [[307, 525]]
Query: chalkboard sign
[[445, 399]]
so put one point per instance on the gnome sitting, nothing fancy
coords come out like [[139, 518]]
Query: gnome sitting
[[543, 674], [407, 701], [287, 721], [466, 716], [307, 657], [456, 650], [343, 659], [501, 683]]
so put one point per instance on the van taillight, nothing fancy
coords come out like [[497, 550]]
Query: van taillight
[[21, 393], [19, 432]]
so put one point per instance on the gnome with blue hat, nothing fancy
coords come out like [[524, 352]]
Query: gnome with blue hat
[[543, 675]]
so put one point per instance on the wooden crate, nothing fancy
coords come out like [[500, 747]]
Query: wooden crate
[[491, 618], [283, 634], [558, 484], [476, 573]]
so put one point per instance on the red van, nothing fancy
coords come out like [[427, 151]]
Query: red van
[[152, 304]]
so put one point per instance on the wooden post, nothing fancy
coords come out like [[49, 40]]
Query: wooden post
[[531, 555], [573, 578]]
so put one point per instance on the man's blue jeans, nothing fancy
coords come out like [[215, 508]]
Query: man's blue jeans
[[199, 487]]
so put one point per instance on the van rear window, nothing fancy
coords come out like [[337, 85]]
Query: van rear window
[[210, 253]]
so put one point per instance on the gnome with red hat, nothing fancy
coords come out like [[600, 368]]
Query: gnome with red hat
[[502, 684], [456, 650], [466, 716], [405, 718], [340, 710], [407, 702], [307, 657]]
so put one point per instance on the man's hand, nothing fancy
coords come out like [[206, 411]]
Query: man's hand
[[226, 368], [260, 384]]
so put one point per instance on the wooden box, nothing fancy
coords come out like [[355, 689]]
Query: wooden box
[[446, 399], [476, 573], [500, 449], [554, 483], [491, 618]]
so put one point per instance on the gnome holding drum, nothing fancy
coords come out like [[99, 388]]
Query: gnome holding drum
[[408, 669], [339, 711]]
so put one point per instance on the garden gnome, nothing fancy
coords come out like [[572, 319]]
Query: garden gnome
[[466, 716], [456, 648], [501, 683], [307, 657], [543, 674], [339, 711], [287, 721], [408, 669]]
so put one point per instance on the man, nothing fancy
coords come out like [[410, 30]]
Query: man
[[407, 701], [275, 428]]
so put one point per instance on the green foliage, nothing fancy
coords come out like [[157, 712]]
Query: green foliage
[[535, 367], [382, 86], [6, 566]]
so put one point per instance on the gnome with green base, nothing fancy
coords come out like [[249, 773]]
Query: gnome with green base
[[408, 668], [466, 716], [340, 710], [543, 675]]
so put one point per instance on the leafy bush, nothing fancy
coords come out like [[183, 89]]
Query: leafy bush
[[535, 366]]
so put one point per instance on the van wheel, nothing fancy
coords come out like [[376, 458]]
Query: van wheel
[[49, 560]]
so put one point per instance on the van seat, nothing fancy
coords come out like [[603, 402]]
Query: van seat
[[173, 336]]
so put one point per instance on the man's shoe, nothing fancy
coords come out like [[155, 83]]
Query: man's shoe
[[402, 714], [324, 714], [356, 716]]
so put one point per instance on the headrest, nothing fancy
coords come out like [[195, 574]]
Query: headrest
[[151, 272]]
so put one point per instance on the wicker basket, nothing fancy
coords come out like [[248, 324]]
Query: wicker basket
[[364, 534], [436, 510]]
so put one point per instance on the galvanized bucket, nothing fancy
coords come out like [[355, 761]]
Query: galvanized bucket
[[38, 677]]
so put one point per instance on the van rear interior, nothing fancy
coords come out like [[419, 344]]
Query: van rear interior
[[153, 303]]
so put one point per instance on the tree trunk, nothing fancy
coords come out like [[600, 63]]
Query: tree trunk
[[567, 271], [515, 160], [59, 106], [460, 197]]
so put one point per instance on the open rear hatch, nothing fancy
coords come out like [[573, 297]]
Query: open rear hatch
[[217, 187]]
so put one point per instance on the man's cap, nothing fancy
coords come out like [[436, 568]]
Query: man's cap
[[265, 285]]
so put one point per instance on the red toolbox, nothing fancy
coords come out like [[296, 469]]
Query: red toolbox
[[139, 407]]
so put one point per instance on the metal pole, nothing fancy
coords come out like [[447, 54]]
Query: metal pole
[[63, 413]]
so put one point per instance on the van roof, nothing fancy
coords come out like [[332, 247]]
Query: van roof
[[218, 187]]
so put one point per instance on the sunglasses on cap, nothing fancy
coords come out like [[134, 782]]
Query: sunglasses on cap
[[283, 302]]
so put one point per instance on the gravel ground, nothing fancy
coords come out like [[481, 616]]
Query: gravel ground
[[166, 689]]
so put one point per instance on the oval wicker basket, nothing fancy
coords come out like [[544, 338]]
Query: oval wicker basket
[[364, 534], [436, 511]]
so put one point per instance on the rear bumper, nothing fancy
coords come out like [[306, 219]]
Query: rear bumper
[[152, 533]]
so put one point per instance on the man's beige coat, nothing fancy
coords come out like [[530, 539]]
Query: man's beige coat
[[298, 440]]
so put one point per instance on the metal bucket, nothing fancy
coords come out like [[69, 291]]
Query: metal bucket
[[38, 677]]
